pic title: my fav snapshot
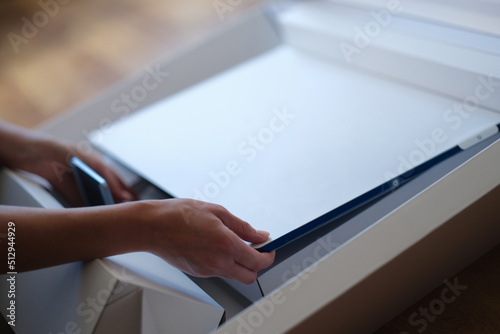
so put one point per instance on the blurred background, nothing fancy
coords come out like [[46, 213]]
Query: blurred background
[[82, 47], [79, 48]]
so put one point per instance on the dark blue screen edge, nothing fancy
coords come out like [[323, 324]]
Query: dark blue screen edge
[[359, 201]]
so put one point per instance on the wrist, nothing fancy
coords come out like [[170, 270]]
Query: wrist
[[142, 222], [160, 223]]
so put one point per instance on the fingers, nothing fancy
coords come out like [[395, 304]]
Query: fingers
[[230, 270], [121, 192], [241, 228], [253, 259], [248, 261], [217, 234], [242, 272]]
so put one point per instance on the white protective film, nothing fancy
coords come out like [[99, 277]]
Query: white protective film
[[284, 138]]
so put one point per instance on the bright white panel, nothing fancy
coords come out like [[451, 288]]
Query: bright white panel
[[285, 138]]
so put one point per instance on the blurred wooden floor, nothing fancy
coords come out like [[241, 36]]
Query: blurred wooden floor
[[89, 45]]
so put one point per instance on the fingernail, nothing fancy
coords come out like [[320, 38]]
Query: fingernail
[[263, 233]]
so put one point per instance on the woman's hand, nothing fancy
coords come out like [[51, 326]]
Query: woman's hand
[[199, 238], [49, 158], [204, 239], [54, 165]]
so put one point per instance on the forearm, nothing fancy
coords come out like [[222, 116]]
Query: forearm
[[51, 237], [201, 239]]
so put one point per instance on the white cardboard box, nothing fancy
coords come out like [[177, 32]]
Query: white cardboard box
[[131, 293], [374, 275]]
